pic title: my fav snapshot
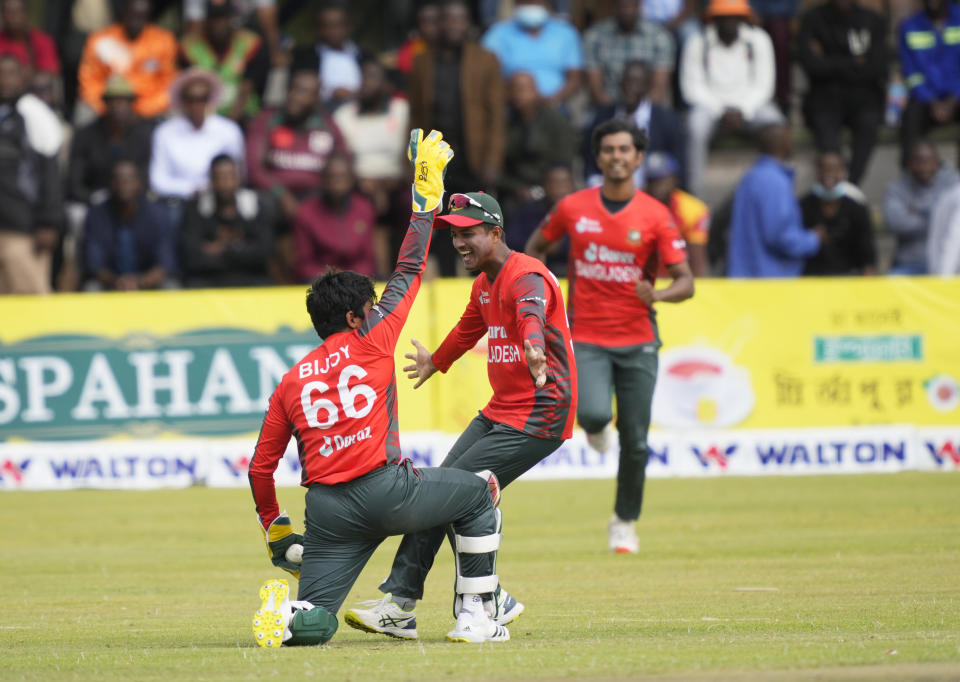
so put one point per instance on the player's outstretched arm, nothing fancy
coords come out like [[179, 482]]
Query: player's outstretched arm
[[422, 367], [429, 156]]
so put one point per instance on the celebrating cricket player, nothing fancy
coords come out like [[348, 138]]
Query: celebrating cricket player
[[619, 236], [517, 303], [340, 403]]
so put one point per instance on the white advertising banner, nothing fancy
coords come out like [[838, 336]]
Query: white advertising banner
[[223, 462]]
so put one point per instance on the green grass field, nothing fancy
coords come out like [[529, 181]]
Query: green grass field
[[844, 577]]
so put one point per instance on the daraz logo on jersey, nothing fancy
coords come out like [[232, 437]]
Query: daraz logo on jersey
[[607, 265]]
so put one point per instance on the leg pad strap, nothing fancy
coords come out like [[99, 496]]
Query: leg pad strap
[[482, 544], [477, 585]]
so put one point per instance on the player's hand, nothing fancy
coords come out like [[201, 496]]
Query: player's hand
[[645, 291], [280, 536], [430, 156], [423, 367], [537, 362]]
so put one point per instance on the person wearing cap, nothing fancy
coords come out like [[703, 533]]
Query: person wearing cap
[[690, 214], [141, 52], [842, 47], [517, 304], [119, 133], [618, 236], [184, 146], [237, 55], [727, 75]]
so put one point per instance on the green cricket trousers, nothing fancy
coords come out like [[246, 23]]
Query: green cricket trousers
[[346, 522], [630, 372], [485, 444]]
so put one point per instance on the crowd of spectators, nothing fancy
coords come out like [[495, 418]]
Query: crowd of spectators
[[224, 153]]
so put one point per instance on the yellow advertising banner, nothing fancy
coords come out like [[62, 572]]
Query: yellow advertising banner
[[739, 355]]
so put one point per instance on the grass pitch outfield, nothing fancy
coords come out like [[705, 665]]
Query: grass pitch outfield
[[844, 577]]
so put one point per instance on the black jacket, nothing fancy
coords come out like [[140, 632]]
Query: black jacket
[[30, 191], [852, 54], [92, 154]]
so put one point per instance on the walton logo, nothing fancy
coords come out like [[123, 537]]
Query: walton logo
[[11, 472], [239, 466], [948, 452], [720, 457]]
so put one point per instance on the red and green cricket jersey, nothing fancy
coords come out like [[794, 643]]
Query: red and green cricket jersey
[[524, 302], [608, 253], [340, 400]]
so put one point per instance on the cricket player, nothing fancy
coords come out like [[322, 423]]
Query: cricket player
[[517, 303], [619, 237], [339, 402]]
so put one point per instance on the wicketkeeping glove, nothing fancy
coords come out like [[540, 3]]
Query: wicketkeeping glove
[[430, 156], [280, 536]]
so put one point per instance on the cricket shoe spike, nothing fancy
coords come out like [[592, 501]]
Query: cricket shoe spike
[[475, 626], [383, 617], [271, 621], [622, 536]]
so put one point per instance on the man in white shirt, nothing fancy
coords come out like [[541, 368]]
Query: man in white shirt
[[184, 145], [727, 75]]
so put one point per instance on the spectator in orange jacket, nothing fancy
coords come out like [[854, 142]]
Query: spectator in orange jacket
[[141, 52]]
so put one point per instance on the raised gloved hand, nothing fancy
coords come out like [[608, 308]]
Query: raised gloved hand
[[280, 537], [430, 156]]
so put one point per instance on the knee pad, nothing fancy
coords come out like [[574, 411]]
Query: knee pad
[[493, 483], [312, 627]]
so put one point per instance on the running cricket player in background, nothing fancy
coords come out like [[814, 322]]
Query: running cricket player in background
[[619, 237]]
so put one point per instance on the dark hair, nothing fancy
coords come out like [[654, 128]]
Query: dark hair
[[222, 158], [617, 125], [335, 293], [123, 161]]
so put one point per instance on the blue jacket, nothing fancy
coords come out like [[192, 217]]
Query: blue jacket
[[931, 60], [154, 242], [767, 237]]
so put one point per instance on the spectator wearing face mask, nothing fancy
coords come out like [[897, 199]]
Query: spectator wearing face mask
[[829, 207], [545, 46]]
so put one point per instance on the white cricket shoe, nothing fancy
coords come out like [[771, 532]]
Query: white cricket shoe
[[508, 609], [600, 440], [384, 617], [623, 537], [475, 626]]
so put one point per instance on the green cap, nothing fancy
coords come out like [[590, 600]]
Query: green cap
[[118, 86], [464, 213]]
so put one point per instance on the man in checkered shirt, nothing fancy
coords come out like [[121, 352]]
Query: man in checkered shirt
[[625, 37]]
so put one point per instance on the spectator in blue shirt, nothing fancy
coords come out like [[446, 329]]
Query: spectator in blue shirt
[[547, 47], [128, 243], [930, 58], [767, 237]]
